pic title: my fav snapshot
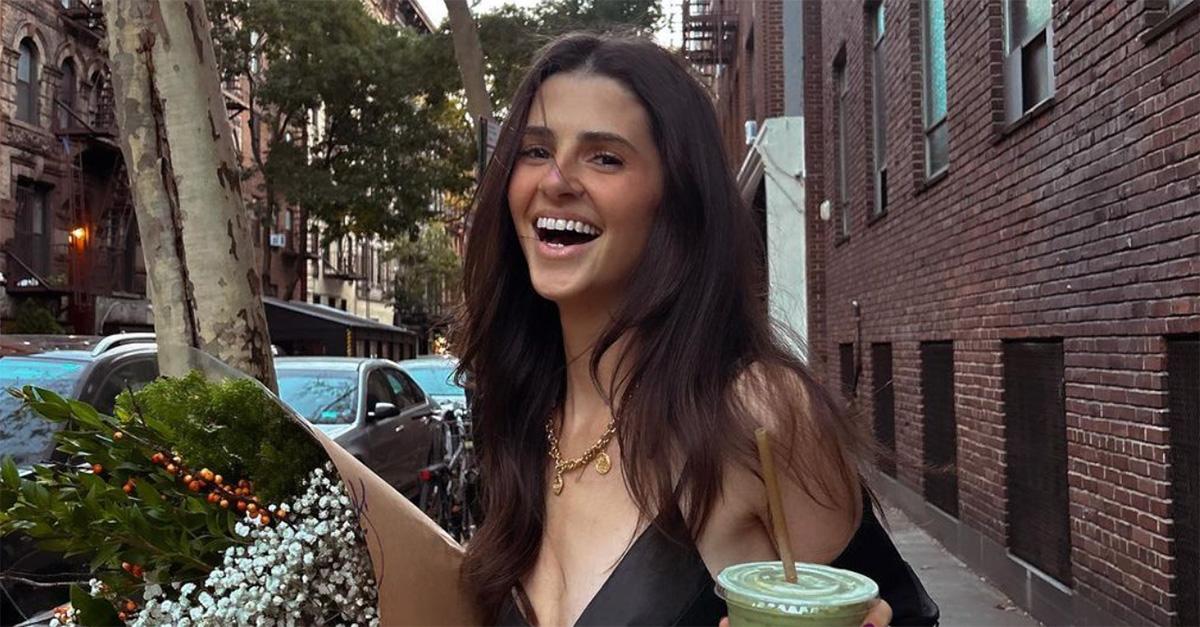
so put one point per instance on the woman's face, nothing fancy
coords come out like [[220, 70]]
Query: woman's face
[[585, 188]]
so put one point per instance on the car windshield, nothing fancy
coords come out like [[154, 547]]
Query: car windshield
[[323, 397], [436, 380], [25, 436]]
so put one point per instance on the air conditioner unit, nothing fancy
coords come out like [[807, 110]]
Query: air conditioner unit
[[278, 240]]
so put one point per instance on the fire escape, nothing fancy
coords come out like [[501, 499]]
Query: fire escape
[[103, 243], [709, 36]]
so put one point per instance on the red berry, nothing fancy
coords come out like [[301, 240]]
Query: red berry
[[157, 459], [97, 468]]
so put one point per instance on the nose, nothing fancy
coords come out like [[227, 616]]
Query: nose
[[556, 182]]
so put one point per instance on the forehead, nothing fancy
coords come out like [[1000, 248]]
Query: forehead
[[570, 102]]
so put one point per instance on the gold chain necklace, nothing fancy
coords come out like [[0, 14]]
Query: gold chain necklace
[[596, 452]]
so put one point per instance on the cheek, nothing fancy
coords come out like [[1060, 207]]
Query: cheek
[[521, 187]]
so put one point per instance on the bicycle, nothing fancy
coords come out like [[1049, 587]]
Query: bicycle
[[449, 487]]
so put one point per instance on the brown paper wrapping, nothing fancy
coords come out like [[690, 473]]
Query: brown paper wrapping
[[416, 563]]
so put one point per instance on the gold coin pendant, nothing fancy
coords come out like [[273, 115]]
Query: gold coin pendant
[[558, 484], [603, 463]]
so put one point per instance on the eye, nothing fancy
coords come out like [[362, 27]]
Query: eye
[[608, 159], [534, 152]]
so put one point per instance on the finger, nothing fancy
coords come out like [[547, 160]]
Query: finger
[[879, 616], [725, 622]]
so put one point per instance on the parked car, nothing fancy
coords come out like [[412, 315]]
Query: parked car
[[370, 407], [94, 370], [435, 375]]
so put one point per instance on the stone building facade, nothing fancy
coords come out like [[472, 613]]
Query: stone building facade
[[70, 244], [1011, 276]]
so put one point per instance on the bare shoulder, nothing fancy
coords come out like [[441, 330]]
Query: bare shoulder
[[815, 459]]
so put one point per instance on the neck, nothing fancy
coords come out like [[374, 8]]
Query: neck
[[586, 408]]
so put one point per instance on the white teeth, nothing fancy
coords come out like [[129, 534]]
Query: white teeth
[[555, 224]]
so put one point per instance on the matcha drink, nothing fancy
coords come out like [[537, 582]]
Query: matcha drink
[[759, 596]]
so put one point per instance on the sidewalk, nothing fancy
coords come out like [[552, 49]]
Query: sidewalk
[[964, 597]]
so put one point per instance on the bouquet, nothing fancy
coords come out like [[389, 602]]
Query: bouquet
[[205, 501]]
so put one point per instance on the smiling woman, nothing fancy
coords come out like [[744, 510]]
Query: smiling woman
[[622, 356]]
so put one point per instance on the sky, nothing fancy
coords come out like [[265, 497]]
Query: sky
[[667, 36]]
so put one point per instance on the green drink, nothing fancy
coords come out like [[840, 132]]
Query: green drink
[[759, 596]]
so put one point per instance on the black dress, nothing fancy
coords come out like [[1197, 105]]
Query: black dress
[[662, 582]]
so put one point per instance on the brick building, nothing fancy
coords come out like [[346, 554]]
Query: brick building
[[1011, 282], [70, 243]]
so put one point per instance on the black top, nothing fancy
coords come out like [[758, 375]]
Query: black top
[[660, 581], [657, 582]]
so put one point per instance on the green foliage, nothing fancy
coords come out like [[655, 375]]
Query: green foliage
[[134, 510], [32, 317], [512, 35], [428, 267], [67, 508], [385, 135], [231, 427]]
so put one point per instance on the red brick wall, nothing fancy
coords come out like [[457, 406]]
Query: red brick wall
[[1081, 223], [751, 87]]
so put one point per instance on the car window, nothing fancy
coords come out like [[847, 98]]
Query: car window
[[436, 380], [380, 391], [132, 374], [406, 391], [25, 436], [322, 397]]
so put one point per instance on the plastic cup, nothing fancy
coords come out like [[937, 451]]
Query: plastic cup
[[758, 595]]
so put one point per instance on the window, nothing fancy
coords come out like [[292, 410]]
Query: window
[[839, 149], [1035, 429], [848, 373], [33, 227], [1028, 56], [27, 82], [406, 391], [937, 133], [1183, 415], [878, 107], [885, 407], [940, 432], [66, 95]]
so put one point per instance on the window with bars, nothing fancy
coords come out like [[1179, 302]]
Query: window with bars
[[937, 132], [1183, 408], [940, 427], [27, 82], [876, 30], [839, 150], [1035, 421], [885, 407], [1028, 56]]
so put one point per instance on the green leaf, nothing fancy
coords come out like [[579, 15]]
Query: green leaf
[[8, 471], [149, 496], [87, 415], [105, 555], [93, 611]]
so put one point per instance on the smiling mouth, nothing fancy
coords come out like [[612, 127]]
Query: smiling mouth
[[561, 233]]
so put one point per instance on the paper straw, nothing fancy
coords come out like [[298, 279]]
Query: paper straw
[[775, 505]]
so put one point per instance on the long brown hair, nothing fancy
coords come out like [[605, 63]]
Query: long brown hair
[[696, 311]]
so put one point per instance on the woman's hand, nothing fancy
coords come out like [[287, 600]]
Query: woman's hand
[[879, 616]]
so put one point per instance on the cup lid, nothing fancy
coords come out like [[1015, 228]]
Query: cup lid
[[819, 590]]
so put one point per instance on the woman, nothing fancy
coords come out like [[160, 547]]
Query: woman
[[617, 337]]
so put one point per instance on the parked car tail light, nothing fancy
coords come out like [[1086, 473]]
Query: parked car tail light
[[425, 475]]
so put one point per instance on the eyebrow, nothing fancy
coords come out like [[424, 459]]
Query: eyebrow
[[585, 136]]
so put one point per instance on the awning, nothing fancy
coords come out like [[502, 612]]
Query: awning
[[334, 316], [301, 328]]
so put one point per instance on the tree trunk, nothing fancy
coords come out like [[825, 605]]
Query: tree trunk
[[177, 141], [469, 53]]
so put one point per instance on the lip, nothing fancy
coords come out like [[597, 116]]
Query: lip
[[557, 253]]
